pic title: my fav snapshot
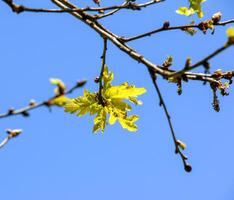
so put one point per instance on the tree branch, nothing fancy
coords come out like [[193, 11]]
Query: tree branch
[[168, 28], [103, 57], [162, 103], [126, 5], [201, 62], [25, 110], [11, 134]]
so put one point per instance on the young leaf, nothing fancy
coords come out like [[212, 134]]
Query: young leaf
[[100, 121], [230, 32], [60, 86], [124, 91], [185, 11], [60, 101], [113, 104], [194, 7], [181, 144], [128, 123], [83, 104]]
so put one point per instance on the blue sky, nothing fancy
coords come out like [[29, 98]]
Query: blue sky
[[58, 157]]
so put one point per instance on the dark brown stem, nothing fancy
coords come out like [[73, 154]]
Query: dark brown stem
[[172, 28], [201, 62], [103, 57], [162, 103], [126, 5]]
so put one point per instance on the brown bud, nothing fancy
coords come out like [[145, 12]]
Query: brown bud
[[81, 83], [97, 2], [188, 168], [216, 17], [32, 103], [11, 111], [14, 132], [25, 113], [166, 24], [97, 79]]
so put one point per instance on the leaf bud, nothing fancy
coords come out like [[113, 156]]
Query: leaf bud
[[166, 25], [97, 79], [81, 83], [187, 167], [216, 17]]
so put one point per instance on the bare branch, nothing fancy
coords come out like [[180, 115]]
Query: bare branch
[[11, 134], [201, 62], [126, 5], [103, 57], [162, 103]]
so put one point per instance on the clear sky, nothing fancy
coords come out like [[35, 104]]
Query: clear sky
[[58, 157]]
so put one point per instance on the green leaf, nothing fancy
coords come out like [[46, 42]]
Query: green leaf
[[230, 32], [100, 121], [124, 91], [135, 101], [83, 104], [194, 7], [107, 78], [185, 11], [113, 104], [113, 118], [55, 81], [128, 123], [60, 101], [190, 31], [60, 86]]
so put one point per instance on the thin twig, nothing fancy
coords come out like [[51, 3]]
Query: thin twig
[[201, 62], [24, 111], [183, 27], [162, 103], [11, 134], [111, 12], [126, 5], [103, 57]]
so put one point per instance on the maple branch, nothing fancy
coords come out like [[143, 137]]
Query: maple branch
[[162, 103], [166, 27], [33, 105], [103, 57]]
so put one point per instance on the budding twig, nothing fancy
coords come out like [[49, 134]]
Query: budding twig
[[162, 103], [25, 110], [201, 62], [170, 28], [103, 57], [11, 134]]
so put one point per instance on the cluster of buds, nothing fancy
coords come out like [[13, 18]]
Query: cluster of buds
[[168, 62], [209, 24], [13, 133]]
